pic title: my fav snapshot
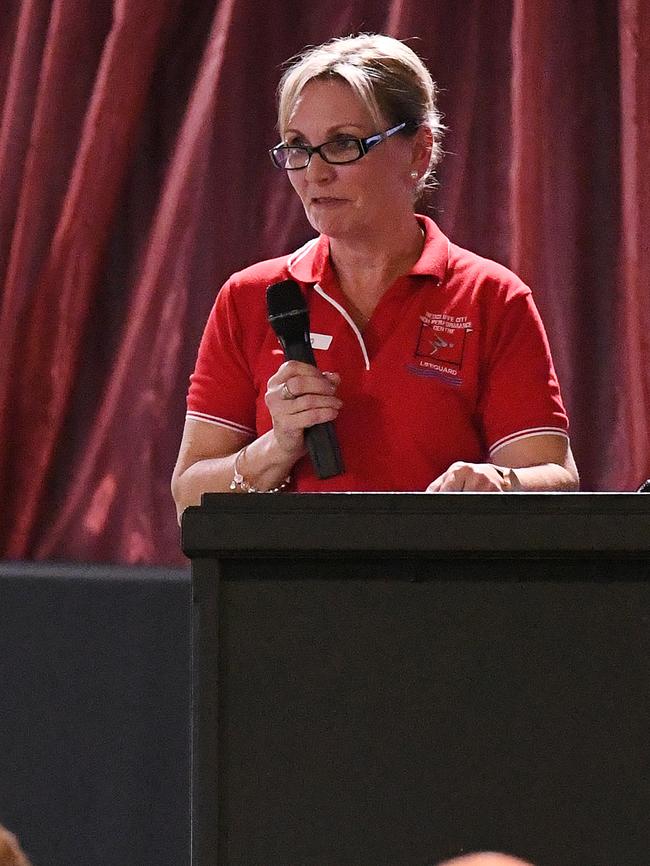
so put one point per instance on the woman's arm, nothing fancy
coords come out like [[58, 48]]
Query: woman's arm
[[206, 462], [536, 463], [206, 459]]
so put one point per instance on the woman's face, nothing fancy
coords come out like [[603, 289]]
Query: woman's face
[[344, 201]]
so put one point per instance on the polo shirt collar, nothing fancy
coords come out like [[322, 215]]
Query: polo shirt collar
[[309, 263]]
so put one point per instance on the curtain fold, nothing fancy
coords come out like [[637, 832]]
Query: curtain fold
[[565, 202], [135, 427], [22, 39], [630, 449], [42, 375], [134, 180]]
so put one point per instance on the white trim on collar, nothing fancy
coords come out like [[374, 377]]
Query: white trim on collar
[[296, 258], [349, 320]]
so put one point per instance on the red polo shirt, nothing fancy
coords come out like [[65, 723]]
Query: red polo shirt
[[453, 364]]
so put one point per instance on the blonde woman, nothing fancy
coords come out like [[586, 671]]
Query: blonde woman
[[432, 361]]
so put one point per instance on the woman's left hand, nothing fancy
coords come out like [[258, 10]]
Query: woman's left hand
[[542, 462], [479, 477]]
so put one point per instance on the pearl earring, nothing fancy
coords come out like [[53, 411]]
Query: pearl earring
[[414, 175]]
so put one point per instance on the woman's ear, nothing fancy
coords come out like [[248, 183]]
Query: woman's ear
[[422, 148]]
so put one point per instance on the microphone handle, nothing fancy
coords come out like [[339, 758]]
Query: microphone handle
[[299, 351], [321, 438], [324, 450]]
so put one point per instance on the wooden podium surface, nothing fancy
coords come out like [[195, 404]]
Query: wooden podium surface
[[393, 679]]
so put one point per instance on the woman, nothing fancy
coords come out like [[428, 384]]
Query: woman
[[432, 361]]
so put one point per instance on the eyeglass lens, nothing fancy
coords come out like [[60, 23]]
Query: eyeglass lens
[[337, 151]]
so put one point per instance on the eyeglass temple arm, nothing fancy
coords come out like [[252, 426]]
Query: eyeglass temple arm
[[372, 140]]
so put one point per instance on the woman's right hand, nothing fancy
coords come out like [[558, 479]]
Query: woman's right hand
[[299, 396]]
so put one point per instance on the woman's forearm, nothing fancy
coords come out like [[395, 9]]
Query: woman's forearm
[[546, 477], [261, 465]]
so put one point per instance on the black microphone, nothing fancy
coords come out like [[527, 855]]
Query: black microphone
[[289, 319]]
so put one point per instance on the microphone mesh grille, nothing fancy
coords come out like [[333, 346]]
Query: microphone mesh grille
[[284, 297]]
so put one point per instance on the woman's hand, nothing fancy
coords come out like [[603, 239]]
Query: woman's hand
[[537, 462], [299, 396], [478, 477]]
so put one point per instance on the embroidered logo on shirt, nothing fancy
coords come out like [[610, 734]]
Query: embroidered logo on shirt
[[440, 347]]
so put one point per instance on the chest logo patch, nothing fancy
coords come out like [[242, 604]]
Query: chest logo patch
[[440, 347]]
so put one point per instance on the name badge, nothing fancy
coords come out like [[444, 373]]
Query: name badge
[[320, 341]]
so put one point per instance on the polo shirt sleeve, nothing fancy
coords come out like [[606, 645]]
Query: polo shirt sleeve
[[520, 395], [221, 387]]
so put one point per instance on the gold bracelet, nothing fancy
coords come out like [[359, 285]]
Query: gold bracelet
[[239, 483]]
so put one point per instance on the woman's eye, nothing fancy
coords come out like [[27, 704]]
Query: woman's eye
[[344, 144]]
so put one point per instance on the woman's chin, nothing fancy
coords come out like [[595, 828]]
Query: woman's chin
[[328, 222]]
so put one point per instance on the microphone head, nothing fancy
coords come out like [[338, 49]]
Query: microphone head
[[287, 311]]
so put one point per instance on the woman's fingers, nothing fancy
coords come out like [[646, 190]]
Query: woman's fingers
[[299, 396], [295, 379], [469, 477]]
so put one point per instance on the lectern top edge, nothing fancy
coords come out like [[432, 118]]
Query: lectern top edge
[[418, 525], [422, 503]]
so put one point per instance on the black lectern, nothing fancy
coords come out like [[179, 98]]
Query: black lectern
[[394, 679]]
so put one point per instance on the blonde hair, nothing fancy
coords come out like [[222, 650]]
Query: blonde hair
[[384, 73]]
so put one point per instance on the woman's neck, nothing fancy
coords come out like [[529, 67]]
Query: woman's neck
[[367, 268]]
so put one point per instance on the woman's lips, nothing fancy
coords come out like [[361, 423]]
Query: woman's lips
[[327, 201]]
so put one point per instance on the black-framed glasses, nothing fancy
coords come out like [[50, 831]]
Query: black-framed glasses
[[338, 151]]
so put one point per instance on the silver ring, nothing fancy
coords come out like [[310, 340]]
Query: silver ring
[[286, 392]]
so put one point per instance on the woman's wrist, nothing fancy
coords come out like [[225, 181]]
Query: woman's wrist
[[242, 484], [509, 480], [262, 467], [542, 477]]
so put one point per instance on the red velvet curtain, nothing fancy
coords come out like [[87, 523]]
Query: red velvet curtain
[[134, 179]]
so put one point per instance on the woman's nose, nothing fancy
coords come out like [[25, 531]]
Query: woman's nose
[[318, 169]]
